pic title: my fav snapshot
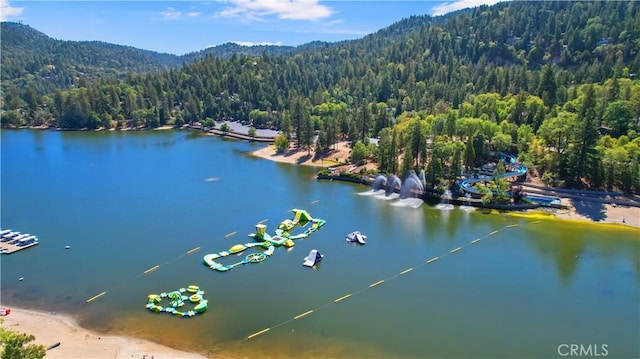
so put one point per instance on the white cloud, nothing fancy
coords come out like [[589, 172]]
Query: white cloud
[[254, 10], [7, 11], [171, 14], [193, 14], [448, 7], [264, 43]]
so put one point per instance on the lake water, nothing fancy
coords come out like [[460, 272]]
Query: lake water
[[126, 202]]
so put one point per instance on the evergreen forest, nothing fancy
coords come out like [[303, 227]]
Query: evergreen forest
[[554, 83]]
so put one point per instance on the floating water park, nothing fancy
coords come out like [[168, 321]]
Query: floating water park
[[266, 242], [177, 299]]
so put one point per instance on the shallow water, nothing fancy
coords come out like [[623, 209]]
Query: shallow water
[[126, 202]]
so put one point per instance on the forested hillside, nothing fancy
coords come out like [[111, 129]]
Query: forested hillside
[[225, 51], [554, 82], [33, 59]]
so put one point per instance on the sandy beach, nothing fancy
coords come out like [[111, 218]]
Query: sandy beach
[[76, 342], [606, 213], [301, 157]]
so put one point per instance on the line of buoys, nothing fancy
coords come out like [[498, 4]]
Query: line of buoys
[[303, 314], [342, 298], [258, 333], [406, 271], [382, 281], [157, 266], [151, 269], [96, 297]]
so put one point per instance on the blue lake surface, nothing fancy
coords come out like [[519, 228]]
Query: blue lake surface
[[126, 202]]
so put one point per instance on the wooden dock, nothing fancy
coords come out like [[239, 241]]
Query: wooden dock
[[11, 248], [11, 242]]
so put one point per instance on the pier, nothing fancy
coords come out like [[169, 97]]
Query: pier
[[11, 241]]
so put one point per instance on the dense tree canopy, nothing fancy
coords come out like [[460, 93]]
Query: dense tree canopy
[[16, 345]]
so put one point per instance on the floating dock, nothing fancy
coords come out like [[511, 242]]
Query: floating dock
[[12, 241]]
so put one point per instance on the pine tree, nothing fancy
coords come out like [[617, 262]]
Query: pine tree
[[583, 161]]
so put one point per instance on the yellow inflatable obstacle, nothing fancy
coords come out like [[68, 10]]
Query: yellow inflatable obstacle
[[177, 299], [266, 242], [210, 259]]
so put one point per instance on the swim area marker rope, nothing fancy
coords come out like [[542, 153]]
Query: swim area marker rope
[[335, 301], [375, 284], [152, 269]]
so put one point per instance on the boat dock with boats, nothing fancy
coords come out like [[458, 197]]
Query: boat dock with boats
[[13, 241]]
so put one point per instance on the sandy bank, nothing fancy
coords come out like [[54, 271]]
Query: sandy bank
[[302, 157], [605, 213], [76, 342]]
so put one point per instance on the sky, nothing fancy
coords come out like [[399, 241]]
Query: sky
[[180, 27]]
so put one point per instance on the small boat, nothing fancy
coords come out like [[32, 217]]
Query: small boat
[[10, 235], [356, 236], [5, 311], [313, 258], [54, 346], [21, 236]]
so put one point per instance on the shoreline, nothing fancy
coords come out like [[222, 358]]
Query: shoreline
[[602, 213], [77, 342], [301, 157], [608, 214]]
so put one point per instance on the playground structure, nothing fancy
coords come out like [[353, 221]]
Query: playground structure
[[266, 242], [177, 299], [514, 169], [414, 186]]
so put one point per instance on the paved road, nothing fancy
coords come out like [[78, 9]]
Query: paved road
[[593, 196]]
